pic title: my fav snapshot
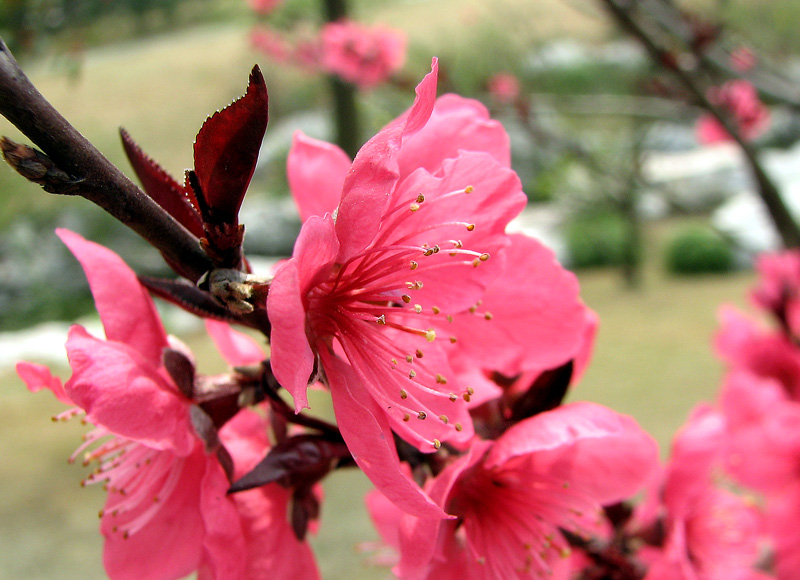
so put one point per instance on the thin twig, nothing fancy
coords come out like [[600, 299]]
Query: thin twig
[[784, 223]]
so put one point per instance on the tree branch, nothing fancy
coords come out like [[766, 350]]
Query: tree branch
[[91, 175], [783, 220]]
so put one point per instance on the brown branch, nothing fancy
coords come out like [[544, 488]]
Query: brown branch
[[783, 220], [91, 175]]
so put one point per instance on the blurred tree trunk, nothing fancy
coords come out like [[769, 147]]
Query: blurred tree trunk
[[348, 126]]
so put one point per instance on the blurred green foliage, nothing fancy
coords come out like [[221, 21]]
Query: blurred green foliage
[[595, 240], [697, 249]]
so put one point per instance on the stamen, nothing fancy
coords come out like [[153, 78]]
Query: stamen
[[422, 415], [469, 189], [436, 444]]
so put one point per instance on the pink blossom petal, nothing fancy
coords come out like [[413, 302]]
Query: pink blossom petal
[[169, 544], [538, 320], [608, 453], [125, 307], [374, 173], [37, 377], [224, 549], [456, 124], [109, 379], [316, 171], [273, 551], [237, 348], [292, 356], [369, 439]]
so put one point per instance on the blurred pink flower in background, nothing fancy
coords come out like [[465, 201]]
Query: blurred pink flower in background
[[739, 99], [362, 55], [743, 59], [264, 6], [503, 88], [711, 533], [271, 43]]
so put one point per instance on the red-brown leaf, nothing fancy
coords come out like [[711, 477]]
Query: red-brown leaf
[[226, 151], [177, 200]]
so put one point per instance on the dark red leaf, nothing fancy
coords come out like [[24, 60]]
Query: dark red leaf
[[299, 461], [189, 297], [226, 151], [177, 200]]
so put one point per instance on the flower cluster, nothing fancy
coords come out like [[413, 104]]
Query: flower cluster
[[365, 56], [738, 99], [446, 344]]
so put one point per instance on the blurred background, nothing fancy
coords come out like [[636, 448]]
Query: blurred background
[[655, 212]]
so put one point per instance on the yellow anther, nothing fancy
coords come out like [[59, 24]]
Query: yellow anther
[[420, 198], [449, 318], [406, 298], [483, 257], [406, 417], [412, 374], [453, 397], [470, 391], [419, 353], [476, 262], [422, 415], [409, 359], [470, 227], [444, 419], [381, 319], [414, 265], [453, 340], [487, 315], [441, 379], [403, 394], [417, 308], [430, 335], [436, 444], [414, 207], [435, 309], [458, 427], [469, 189]]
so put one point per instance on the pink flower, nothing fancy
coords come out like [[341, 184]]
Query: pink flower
[[271, 43], [383, 296], [361, 55], [712, 534], [273, 550], [745, 346], [504, 88], [740, 100], [167, 513], [264, 6], [512, 497]]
